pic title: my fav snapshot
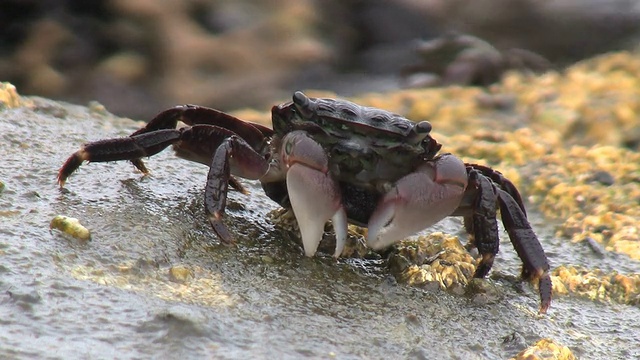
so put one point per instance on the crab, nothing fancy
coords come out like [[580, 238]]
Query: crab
[[460, 59], [328, 159]]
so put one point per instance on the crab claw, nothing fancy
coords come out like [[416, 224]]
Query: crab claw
[[315, 197], [418, 201], [339, 221]]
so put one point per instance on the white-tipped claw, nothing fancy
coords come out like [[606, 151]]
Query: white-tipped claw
[[418, 201], [315, 198]]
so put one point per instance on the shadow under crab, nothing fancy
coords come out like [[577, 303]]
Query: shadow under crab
[[328, 159]]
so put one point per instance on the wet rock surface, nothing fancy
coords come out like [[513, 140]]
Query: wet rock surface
[[154, 281]]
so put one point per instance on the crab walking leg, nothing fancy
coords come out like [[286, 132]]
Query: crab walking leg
[[197, 143], [418, 201], [482, 223], [234, 153], [315, 197], [198, 115], [119, 149], [524, 240], [501, 181], [486, 195]]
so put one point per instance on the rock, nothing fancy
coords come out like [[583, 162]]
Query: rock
[[180, 274], [70, 226]]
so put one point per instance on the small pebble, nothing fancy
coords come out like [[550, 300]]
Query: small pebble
[[602, 177], [70, 226], [595, 247], [179, 274]]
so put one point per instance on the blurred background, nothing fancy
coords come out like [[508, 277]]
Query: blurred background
[[139, 57]]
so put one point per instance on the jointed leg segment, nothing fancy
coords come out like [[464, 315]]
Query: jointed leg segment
[[490, 191]]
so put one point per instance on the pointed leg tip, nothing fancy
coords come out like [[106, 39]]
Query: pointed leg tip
[[545, 288], [220, 229], [61, 180], [543, 308], [62, 177], [139, 164]]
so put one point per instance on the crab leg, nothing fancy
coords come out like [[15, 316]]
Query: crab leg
[[418, 201], [252, 133], [315, 197], [482, 224], [119, 149], [504, 183], [205, 137], [234, 153], [524, 240]]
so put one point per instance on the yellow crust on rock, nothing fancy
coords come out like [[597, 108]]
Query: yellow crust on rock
[[546, 349], [9, 95]]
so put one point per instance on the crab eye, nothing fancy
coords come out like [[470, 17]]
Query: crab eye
[[423, 127], [300, 99], [302, 103]]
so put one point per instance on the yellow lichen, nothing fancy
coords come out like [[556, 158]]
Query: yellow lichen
[[596, 284], [545, 349], [9, 95]]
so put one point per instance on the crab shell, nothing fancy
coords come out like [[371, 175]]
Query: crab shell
[[323, 147]]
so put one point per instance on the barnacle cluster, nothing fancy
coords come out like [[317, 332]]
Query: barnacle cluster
[[434, 259]]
